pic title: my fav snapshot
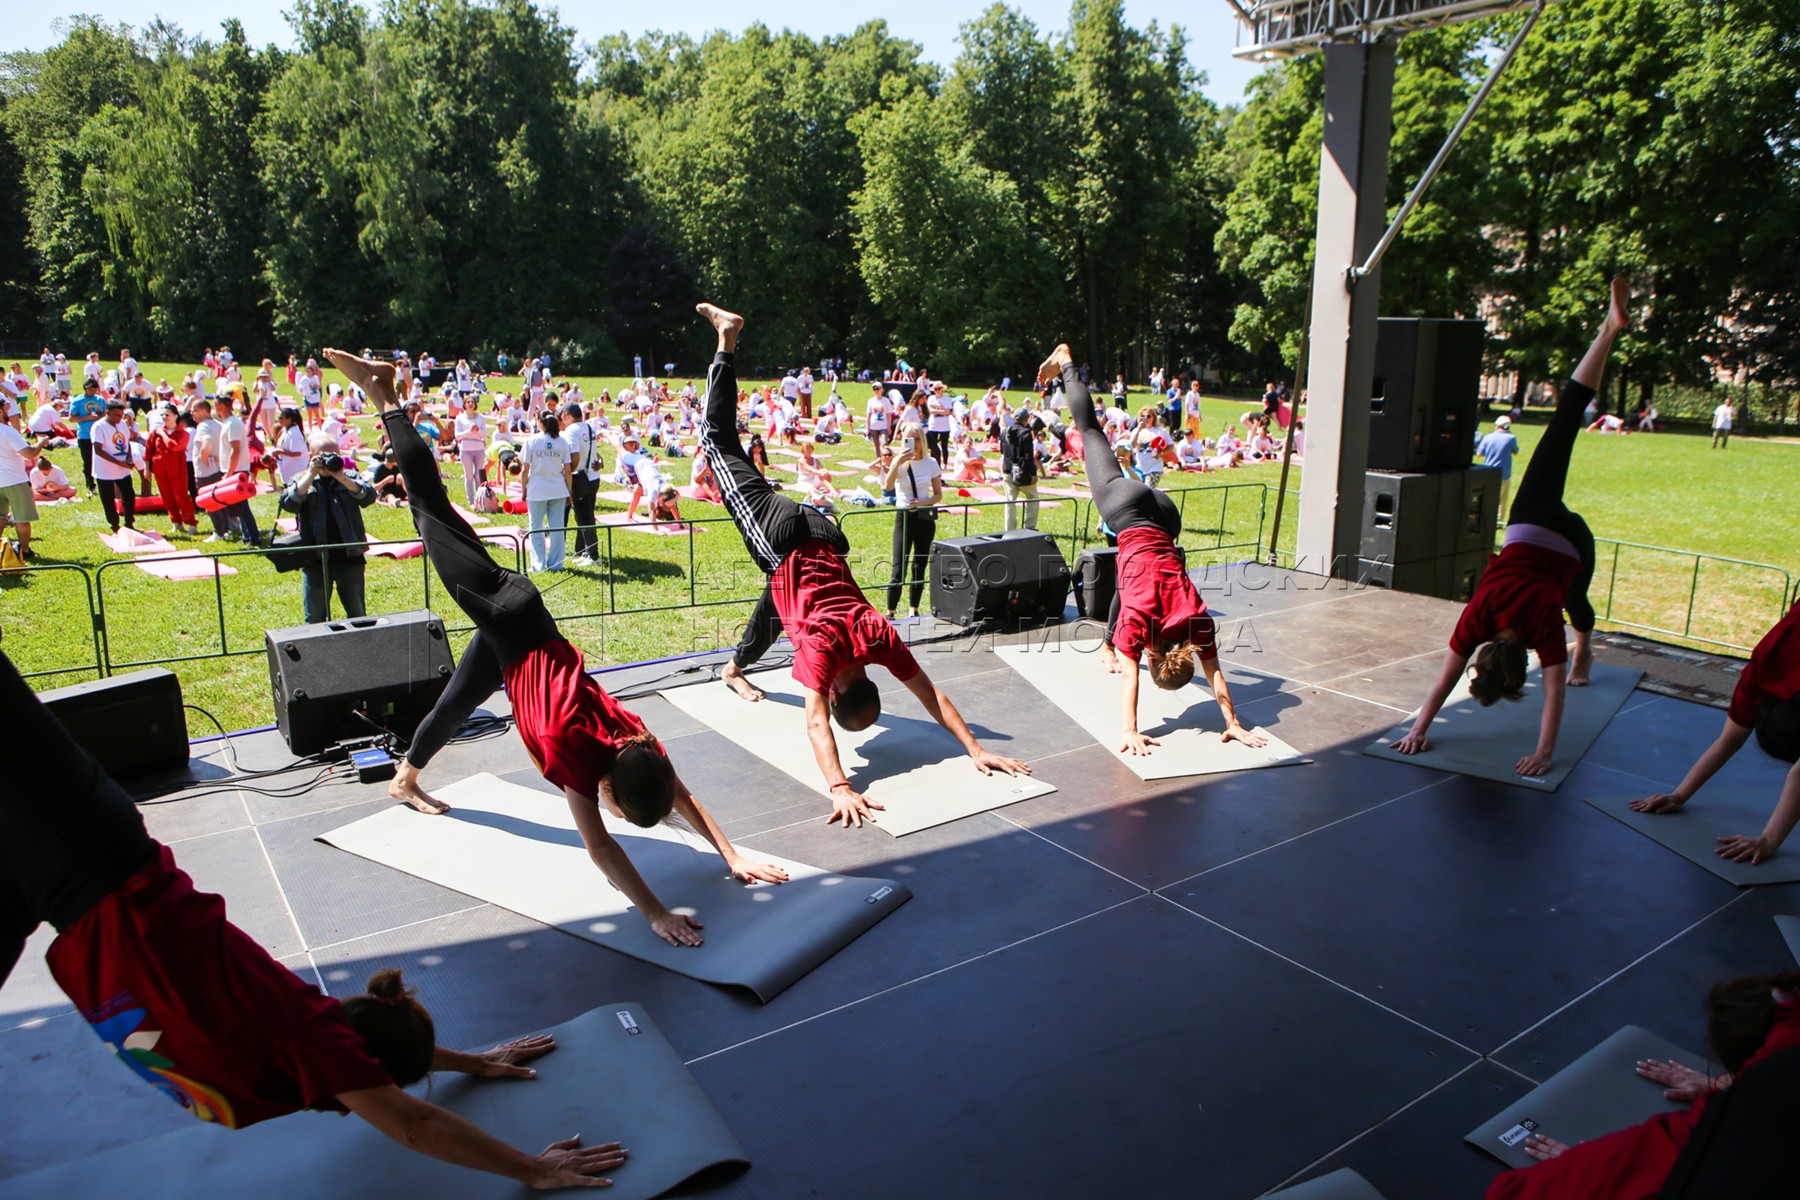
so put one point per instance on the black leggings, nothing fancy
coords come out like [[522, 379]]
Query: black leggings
[[509, 615], [760, 633], [939, 442], [118, 500], [1124, 502], [914, 531], [772, 524], [1539, 500], [69, 835]]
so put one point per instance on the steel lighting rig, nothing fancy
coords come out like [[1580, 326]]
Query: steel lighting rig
[[1269, 29]]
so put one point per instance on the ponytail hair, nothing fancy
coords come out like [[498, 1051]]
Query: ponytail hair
[[1499, 673], [395, 1027], [1176, 667], [642, 780], [1740, 1012]]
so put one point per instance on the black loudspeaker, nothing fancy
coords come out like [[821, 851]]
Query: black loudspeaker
[[998, 577], [133, 724], [1450, 577], [1423, 406], [1402, 516], [343, 679], [1468, 506], [1096, 579]]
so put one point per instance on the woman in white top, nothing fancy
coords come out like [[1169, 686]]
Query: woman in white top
[[937, 422], [917, 482], [545, 479], [291, 454], [879, 415], [471, 442]]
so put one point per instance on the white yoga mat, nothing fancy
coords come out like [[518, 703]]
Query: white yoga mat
[[1595, 1095], [1488, 743], [907, 763], [1185, 722], [517, 847]]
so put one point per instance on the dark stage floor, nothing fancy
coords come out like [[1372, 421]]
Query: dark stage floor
[[1201, 988]]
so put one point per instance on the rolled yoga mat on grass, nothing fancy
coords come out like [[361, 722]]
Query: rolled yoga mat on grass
[[907, 763], [517, 847], [611, 1078], [1695, 829], [1597, 1094], [1185, 722], [1487, 743]]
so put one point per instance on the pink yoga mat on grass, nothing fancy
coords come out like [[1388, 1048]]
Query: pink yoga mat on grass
[[664, 528], [183, 564], [473, 518], [127, 541], [382, 549]]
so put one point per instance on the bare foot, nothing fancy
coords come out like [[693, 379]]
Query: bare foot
[[729, 324], [1052, 367], [405, 786], [375, 378], [737, 681], [1618, 314], [1581, 665]]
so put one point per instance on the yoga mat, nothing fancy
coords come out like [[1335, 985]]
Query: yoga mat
[[1341, 1184], [135, 541], [1695, 830], [182, 564], [1790, 933], [1487, 743], [909, 764], [611, 1078], [666, 528], [381, 549], [517, 847], [972, 491], [1186, 722], [856, 464], [142, 504], [1599, 1093], [622, 496], [473, 518], [512, 535]]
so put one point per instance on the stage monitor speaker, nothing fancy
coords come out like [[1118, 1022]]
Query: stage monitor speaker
[[1469, 506], [1426, 394], [133, 724], [347, 679], [1002, 578], [1450, 577], [1402, 516], [1096, 579]]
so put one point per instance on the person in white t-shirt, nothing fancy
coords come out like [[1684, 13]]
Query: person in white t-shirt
[[917, 481], [17, 500], [45, 419], [1722, 420], [804, 392], [91, 369], [545, 470], [938, 422], [584, 481], [291, 455], [113, 466], [48, 483], [647, 475], [234, 457], [471, 443], [880, 413]]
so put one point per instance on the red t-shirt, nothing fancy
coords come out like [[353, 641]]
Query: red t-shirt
[[1157, 601], [829, 622], [1773, 672], [201, 1012], [570, 726], [1631, 1164], [1522, 590]]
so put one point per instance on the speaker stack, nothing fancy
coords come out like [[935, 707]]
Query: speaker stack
[[1000, 578], [133, 724], [1428, 516], [349, 679]]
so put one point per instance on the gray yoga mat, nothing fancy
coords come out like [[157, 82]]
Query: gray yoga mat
[[1599, 1093], [910, 764], [517, 848], [1185, 722], [611, 1078], [1694, 831], [1790, 933], [1487, 743], [1341, 1184]]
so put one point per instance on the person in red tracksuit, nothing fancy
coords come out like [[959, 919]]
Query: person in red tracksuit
[[166, 449]]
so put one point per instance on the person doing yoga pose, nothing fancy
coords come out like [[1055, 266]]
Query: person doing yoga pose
[[579, 737], [836, 633], [194, 1007], [1156, 612], [1545, 568], [1766, 702]]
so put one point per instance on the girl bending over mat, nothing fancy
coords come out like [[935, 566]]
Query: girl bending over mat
[[580, 738], [1766, 702], [1156, 610], [194, 1007], [1749, 1021], [1544, 568]]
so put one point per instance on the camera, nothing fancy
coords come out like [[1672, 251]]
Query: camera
[[330, 462]]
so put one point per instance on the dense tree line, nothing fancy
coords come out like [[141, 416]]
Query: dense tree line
[[463, 176]]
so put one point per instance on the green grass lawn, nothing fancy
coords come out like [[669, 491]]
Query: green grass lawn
[[1666, 490]]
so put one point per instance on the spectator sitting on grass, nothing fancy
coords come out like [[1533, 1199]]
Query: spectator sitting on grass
[[48, 483]]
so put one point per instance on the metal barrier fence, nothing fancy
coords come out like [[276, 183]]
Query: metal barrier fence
[[1635, 598]]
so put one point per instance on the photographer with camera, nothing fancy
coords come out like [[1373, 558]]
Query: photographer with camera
[[327, 500]]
